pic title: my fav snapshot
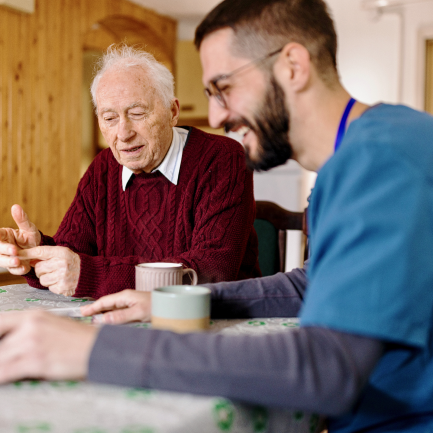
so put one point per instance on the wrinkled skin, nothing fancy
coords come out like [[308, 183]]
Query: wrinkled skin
[[123, 307]]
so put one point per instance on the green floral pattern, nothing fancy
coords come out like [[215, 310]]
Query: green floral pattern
[[224, 414]]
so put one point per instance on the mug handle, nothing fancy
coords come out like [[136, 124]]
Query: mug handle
[[193, 275]]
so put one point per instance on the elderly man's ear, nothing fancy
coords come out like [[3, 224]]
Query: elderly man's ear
[[175, 111], [292, 69]]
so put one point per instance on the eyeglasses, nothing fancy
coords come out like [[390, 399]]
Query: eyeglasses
[[215, 91]]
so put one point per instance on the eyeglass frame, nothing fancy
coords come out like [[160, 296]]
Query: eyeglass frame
[[218, 93]]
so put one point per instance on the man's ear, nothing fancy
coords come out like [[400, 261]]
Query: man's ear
[[175, 111], [292, 69]]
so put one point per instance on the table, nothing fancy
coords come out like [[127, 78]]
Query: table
[[81, 407]]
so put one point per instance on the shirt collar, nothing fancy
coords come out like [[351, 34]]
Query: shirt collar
[[170, 165]]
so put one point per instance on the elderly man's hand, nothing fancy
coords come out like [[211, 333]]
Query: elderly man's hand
[[58, 268], [13, 240], [36, 344], [126, 306]]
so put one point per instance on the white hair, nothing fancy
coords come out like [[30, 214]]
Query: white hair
[[123, 57]]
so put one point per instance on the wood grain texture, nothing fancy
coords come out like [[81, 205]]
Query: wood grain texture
[[40, 85], [7, 279]]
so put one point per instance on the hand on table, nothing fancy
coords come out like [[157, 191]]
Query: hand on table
[[40, 345], [13, 240], [58, 268], [123, 307]]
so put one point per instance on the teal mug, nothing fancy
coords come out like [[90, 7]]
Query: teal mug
[[181, 308]]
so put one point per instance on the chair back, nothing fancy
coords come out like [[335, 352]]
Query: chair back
[[271, 224]]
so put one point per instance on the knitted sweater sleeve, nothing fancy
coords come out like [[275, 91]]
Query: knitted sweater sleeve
[[99, 274], [78, 223]]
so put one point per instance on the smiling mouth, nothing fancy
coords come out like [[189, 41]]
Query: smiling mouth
[[134, 149], [239, 128], [243, 130]]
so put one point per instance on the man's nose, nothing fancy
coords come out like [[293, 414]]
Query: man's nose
[[125, 130], [218, 115]]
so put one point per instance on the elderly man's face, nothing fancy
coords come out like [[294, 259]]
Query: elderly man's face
[[255, 103], [133, 118]]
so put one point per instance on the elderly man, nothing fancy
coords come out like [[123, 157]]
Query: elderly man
[[363, 353], [160, 193]]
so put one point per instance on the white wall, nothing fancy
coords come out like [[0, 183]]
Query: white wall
[[186, 28], [282, 185], [368, 51], [417, 26], [382, 58]]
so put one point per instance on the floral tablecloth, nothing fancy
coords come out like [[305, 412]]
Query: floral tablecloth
[[80, 407]]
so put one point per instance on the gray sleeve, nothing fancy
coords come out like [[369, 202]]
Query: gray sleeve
[[279, 295], [312, 369]]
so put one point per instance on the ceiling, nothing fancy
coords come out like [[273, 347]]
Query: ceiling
[[180, 10]]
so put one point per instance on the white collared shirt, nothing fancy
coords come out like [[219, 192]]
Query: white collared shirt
[[170, 165]]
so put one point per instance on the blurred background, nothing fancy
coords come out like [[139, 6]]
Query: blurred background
[[49, 132]]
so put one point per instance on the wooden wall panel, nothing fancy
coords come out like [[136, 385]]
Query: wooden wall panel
[[40, 105]]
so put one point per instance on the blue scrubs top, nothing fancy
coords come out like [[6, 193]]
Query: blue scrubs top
[[371, 265]]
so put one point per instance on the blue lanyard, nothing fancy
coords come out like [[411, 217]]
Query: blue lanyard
[[342, 127]]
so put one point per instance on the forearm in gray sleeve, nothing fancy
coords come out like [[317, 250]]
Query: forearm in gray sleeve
[[312, 369], [279, 295]]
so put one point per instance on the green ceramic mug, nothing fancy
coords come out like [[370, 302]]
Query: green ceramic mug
[[181, 308]]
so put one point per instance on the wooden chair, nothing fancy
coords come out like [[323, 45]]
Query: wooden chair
[[271, 224]]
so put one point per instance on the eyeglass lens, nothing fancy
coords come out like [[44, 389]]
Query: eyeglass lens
[[213, 90]]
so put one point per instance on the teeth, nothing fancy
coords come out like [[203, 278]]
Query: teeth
[[243, 130]]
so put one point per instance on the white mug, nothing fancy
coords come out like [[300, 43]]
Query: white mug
[[149, 276]]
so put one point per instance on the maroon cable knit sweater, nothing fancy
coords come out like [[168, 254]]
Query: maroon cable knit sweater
[[205, 222]]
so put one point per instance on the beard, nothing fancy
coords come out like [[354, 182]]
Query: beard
[[272, 129]]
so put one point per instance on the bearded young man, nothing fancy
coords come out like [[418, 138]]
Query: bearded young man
[[363, 353]]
